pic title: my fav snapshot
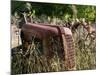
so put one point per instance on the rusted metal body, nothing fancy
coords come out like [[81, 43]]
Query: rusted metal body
[[39, 30], [44, 31]]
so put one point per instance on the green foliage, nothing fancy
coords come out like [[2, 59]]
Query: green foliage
[[37, 62], [88, 12], [64, 11]]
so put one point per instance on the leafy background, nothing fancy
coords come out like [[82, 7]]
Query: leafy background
[[53, 14]]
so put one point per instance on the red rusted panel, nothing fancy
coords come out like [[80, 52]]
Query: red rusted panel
[[42, 31], [69, 50]]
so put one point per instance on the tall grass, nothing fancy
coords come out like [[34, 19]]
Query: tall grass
[[35, 61]]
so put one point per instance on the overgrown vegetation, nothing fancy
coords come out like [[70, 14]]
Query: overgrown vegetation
[[60, 14]]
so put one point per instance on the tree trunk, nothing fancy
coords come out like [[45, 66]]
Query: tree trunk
[[74, 10]]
